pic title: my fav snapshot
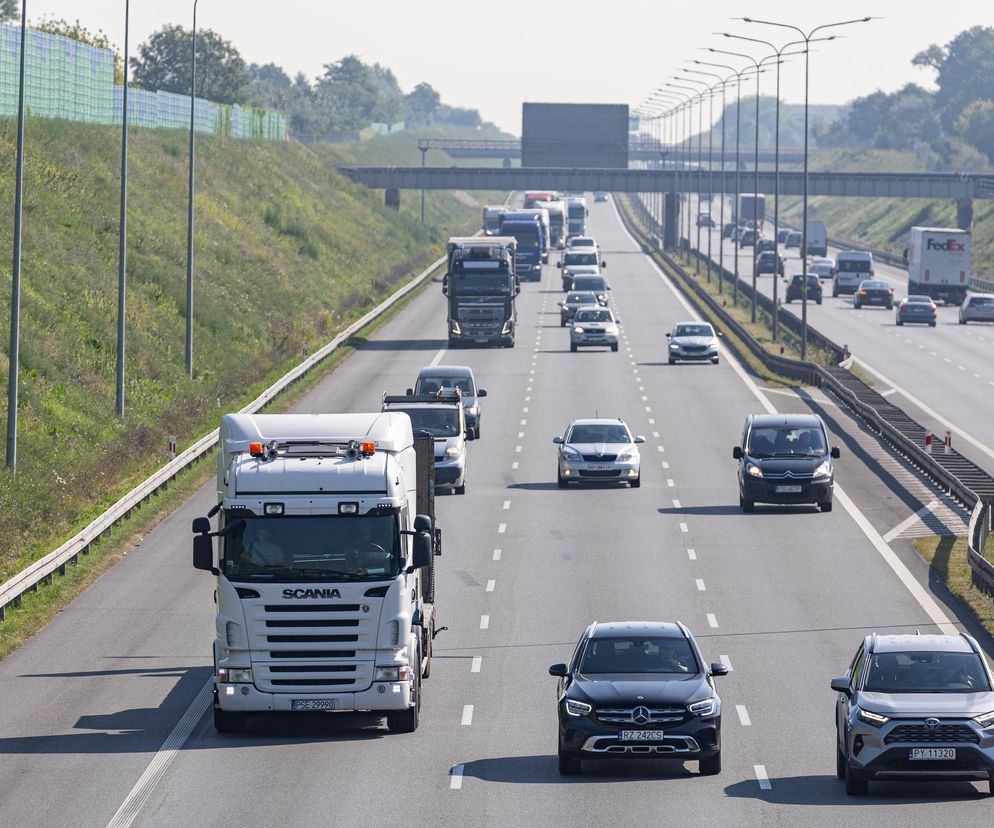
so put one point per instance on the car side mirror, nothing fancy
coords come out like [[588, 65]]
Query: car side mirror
[[718, 669], [557, 440], [668, 334], [203, 553], [558, 670], [639, 439], [836, 454], [410, 392], [603, 263], [719, 333], [481, 392], [841, 685], [422, 550], [559, 264], [737, 453], [617, 321]]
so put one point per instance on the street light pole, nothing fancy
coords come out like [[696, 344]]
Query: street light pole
[[806, 38], [122, 254], [189, 209], [687, 149], [15, 287]]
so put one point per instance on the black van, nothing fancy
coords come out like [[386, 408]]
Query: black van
[[785, 458]]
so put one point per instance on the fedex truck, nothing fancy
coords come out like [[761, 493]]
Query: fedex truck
[[939, 263]]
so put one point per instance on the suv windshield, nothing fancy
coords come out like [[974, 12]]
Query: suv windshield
[[581, 298], [786, 441], [581, 259], [594, 316], [598, 434], [438, 422], [429, 384], [589, 282], [311, 548], [926, 672], [638, 655], [693, 330]]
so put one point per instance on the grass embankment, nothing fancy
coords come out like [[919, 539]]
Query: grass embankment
[[761, 329], [287, 252], [947, 557], [884, 223]]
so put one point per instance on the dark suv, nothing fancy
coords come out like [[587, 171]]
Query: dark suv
[[785, 458], [795, 288], [638, 688], [915, 706]]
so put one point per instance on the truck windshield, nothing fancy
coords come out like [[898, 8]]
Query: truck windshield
[[528, 236], [438, 422], [577, 211], [481, 283], [311, 548]]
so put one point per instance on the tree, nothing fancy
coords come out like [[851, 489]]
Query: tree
[[458, 116], [268, 87], [9, 10], [420, 104], [976, 126], [164, 63], [354, 94], [964, 71]]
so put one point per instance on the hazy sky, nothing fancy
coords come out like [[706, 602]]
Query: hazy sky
[[492, 56]]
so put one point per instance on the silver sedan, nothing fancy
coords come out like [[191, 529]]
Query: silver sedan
[[599, 451], [978, 307], [693, 342]]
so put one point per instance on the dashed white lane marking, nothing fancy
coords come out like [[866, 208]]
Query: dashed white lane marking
[[692, 554], [762, 778], [743, 715], [507, 505], [139, 794], [648, 409], [676, 504], [514, 466], [976, 376], [517, 449], [712, 621], [496, 554], [528, 399], [652, 421], [476, 665], [947, 359], [655, 435], [669, 482], [490, 585], [683, 528], [455, 778], [524, 410], [467, 715], [502, 529], [438, 357], [933, 353], [724, 659], [524, 422], [660, 449], [484, 622], [700, 585], [666, 465], [521, 434], [645, 399]]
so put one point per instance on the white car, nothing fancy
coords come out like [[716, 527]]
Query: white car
[[822, 267], [693, 342], [596, 451], [594, 326]]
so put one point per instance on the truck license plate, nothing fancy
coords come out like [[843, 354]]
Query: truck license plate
[[312, 704], [931, 753], [641, 735]]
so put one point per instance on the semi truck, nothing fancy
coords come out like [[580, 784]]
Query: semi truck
[[751, 210], [939, 263], [541, 215], [527, 233], [557, 223], [816, 238], [576, 216], [491, 218], [481, 285], [324, 570], [538, 199]]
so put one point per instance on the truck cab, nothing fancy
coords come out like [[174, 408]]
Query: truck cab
[[481, 286], [576, 216], [527, 233]]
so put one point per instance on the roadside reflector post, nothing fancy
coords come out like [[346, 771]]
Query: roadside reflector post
[[928, 442], [172, 446], [949, 442]]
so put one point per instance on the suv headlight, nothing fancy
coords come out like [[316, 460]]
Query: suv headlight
[[674, 346], [824, 470], [985, 720], [577, 708], [577, 329], [705, 708], [452, 451], [234, 675], [471, 409], [611, 330], [871, 718], [754, 470]]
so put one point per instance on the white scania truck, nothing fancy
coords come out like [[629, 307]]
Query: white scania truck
[[324, 566]]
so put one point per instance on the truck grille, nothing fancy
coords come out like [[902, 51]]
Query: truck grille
[[657, 715], [942, 733]]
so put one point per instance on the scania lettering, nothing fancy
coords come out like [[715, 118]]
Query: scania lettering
[[939, 263], [324, 567], [481, 286]]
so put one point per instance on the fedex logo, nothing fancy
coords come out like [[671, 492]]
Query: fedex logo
[[950, 245]]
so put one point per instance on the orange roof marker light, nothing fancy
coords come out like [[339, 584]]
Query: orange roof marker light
[[256, 450], [369, 448]]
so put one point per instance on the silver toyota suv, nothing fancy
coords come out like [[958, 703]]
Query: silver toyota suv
[[914, 706]]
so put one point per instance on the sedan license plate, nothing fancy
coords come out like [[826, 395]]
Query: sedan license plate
[[595, 467], [641, 735], [787, 489], [312, 704], [928, 754]]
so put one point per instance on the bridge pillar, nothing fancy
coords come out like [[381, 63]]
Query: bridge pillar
[[671, 213], [392, 198], [964, 213]]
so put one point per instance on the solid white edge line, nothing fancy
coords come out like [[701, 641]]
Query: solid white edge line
[[143, 788], [455, 777], [743, 715], [438, 357], [762, 778], [925, 601]]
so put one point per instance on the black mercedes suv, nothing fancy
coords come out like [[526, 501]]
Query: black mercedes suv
[[638, 689]]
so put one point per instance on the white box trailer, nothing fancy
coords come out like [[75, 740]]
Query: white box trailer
[[939, 263]]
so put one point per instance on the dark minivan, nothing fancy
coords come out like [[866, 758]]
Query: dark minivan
[[785, 458]]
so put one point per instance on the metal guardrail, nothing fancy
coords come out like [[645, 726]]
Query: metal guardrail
[[959, 476], [981, 526], [43, 570]]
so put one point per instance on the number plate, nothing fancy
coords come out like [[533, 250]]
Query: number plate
[[595, 467], [931, 753], [640, 735], [787, 489], [312, 704]]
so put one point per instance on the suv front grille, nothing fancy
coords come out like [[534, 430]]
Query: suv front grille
[[657, 715], [942, 733]]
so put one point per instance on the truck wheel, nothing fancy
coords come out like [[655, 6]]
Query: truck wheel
[[711, 766], [962, 321], [562, 322], [431, 647], [898, 322], [476, 431], [228, 722], [406, 721]]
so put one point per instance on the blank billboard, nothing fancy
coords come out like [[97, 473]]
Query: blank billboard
[[574, 135]]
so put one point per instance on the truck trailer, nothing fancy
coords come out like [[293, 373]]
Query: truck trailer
[[939, 263], [324, 570]]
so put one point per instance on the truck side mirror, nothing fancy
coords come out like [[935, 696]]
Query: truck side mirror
[[203, 553], [422, 550], [422, 523], [201, 525]]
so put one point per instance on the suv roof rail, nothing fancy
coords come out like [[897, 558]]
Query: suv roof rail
[[450, 396]]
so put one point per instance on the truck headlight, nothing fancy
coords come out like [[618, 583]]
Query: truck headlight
[[824, 470], [506, 329], [234, 675], [754, 470], [674, 346], [400, 672], [455, 327], [452, 451]]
